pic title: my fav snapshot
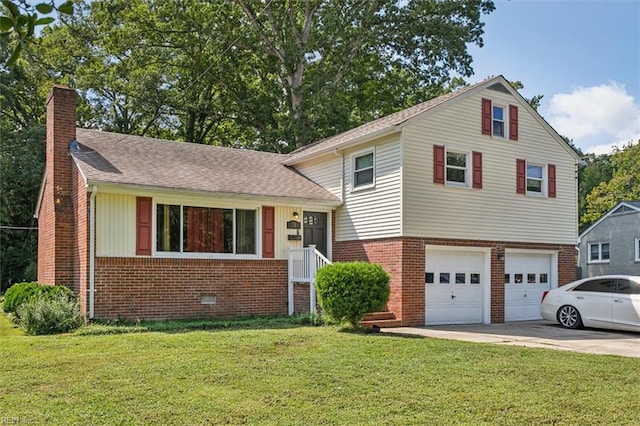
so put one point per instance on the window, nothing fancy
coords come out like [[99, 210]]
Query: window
[[186, 229], [363, 170], [461, 278], [637, 245], [498, 121], [534, 178], [444, 278], [428, 278], [457, 168], [457, 164], [474, 278], [598, 252]]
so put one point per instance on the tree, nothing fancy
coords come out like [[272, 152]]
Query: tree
[[18, 22], [268, 75], [534, 101], [624, 184]]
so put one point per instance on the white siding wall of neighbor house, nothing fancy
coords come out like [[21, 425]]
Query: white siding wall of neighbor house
[[374, 212], [495, 212], [115, 225]]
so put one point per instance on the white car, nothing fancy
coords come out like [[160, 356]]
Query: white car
[[611, 301]]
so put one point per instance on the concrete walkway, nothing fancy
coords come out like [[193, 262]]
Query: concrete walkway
[[535, 334]]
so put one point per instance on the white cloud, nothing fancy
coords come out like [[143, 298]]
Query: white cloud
[[597, 117]]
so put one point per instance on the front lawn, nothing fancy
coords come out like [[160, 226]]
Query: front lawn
[[304, 375]]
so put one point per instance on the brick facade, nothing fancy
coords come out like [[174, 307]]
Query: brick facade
[[152, 288], [404, 259], [56, 217]]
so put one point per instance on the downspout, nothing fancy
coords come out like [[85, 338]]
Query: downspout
[[92, 250], [335, 152]]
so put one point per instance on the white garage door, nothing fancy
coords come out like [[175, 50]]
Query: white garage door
[[454, 283], [526, 277]]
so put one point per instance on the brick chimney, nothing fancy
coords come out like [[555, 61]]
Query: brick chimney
[[56, 216]]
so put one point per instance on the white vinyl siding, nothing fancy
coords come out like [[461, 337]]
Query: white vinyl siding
[[373, 212], [282, 243], [115, 225], [116, 221], [324, 171], [495, 212]]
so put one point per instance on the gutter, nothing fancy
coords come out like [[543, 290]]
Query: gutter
[[92, 250]]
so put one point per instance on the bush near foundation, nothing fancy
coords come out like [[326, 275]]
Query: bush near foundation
[[347, 291], [49, 314], [18, 294], [42, 309]]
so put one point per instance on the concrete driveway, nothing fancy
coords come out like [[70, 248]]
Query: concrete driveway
[[535, 334]]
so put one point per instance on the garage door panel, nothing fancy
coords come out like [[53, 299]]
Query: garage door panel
[[454, 287], [527, 277]]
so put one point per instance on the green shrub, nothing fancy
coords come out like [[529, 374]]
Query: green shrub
[[47, 314], [17, 294], [347, 291]]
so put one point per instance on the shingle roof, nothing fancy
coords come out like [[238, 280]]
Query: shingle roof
[[384, 123], [114, 158]]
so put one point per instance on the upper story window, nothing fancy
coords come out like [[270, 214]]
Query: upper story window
[[498, 121], [598, 252], [637, 249], [535, 179], [363, 166], [186, 229], [457, 168]]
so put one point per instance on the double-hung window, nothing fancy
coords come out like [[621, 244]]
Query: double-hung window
[[187, 229], [457, 164], [535, 178], [598, 252], [498, 121], [363, 166]]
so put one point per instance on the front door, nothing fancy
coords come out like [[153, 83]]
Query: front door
[[314, 228]]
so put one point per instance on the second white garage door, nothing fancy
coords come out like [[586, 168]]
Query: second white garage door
[[527, 275], [454, 286]]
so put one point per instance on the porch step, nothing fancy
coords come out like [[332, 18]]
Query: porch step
[[377, 320]]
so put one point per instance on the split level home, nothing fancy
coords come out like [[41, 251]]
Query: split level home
[[612, 244], [468, 201]]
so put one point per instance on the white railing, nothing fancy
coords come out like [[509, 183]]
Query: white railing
[[303, 264]]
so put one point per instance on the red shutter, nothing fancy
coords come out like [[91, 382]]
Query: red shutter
[[268, 232], [438, 164], [513, 122], [521, 172], [477, 169], [486, 116], [551, 171], [143, 226]]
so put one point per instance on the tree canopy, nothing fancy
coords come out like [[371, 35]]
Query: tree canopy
[[624, 184], [271, 75]]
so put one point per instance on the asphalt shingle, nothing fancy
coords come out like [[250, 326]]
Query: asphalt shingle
[[114, 158]]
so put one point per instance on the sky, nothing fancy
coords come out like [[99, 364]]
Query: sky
[[582, 55]]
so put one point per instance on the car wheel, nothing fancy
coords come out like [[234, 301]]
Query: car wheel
[[569, 317]]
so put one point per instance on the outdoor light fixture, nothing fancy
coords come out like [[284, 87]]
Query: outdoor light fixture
[[296, 215]]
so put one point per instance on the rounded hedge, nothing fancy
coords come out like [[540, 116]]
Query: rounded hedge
[[347, 291], [21, 293]]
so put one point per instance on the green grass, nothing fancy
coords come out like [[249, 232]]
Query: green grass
[[283, 374]]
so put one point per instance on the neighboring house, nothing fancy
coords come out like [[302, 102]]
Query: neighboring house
[[469, 201], [612, 244]]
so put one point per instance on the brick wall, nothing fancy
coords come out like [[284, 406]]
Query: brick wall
[[56, 239], [152, 288], [404, 259]]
